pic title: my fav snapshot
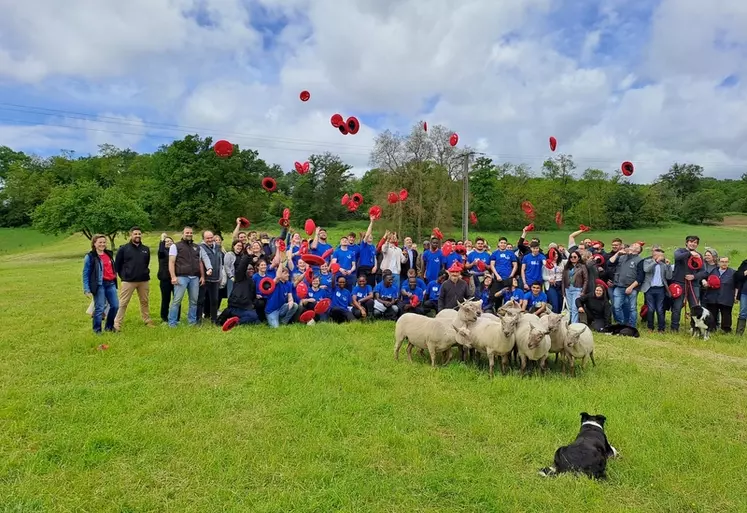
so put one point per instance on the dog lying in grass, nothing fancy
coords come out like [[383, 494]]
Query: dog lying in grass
[[589, 452]]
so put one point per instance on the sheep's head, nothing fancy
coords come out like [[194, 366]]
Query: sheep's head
[[469, 311], [509, 307], [509, 322], [554, 321], [536, 334], [463, 336], [573, 336]]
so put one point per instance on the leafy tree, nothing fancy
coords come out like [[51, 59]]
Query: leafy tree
[[88, 208], [702, 207]]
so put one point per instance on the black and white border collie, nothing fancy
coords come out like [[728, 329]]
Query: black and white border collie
[[702, 322], [587, 454]]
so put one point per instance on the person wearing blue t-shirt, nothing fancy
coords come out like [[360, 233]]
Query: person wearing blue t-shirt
[[342, 301], [478, 254], [503, 264], [280, 307], [345, 258], [531, 266], [319, 245], [512, 293], [433, 261], [325, 277], [487, 294], [411, 289], [363, 299], [535, 301], [412, 273], [385, 297], [432, 291], [366, 256], [315, 294], [260, 300], [455, 257]]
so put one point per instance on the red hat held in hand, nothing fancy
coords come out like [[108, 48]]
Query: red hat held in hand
[[714, 282]]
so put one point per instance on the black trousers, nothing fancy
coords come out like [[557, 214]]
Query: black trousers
[[721, 313], [167, 293], [208, 301], [367, 306]]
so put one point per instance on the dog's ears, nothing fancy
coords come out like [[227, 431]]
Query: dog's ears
[[584, 416], [601, 419]]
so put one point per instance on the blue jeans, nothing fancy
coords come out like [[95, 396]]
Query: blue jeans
[[229, 287], [625, 306], [555, 298], [571, 294], [655, 303], [743, 306], [395, 280], [190, 285], [245, 316], [106, 293], [282, 316]]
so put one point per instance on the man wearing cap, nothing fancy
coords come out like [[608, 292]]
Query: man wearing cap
[[655, 288], [132, 265], [187, 275], [686, 278], [454, 290], [625, 293]]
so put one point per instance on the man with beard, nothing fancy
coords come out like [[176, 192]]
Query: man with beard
[[319, 245], [132, 265], [187, 275]]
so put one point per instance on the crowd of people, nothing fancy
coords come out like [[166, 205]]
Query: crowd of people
[[288, 278]]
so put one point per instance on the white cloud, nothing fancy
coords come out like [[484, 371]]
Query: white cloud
[[505, 96]]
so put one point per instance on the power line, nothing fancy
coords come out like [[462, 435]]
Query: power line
[[281, 143]]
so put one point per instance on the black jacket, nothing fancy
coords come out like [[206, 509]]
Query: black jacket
[[244, 292], [132, 262], [163, 262], [598, 310], [406, 264], [740, 281], [724, 295]]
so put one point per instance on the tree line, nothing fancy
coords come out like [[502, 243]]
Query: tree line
[[185, 182]]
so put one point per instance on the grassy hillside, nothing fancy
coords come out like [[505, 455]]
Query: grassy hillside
[[323, 419]]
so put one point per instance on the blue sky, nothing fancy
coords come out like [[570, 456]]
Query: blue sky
[[612, 80]]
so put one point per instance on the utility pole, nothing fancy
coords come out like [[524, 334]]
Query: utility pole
[[465, 196]]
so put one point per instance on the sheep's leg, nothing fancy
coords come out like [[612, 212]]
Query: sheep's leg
[[421, 352], [543, 365], [583, 362], [556, 358], [504, 364], [562, 362], [491, 361], [523, 359], [397, 347], [572, 363], [462, 353], [432, 351], [409, 351], [591, 357], [447, 356]]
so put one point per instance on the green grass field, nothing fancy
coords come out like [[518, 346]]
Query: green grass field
[[321, 419]]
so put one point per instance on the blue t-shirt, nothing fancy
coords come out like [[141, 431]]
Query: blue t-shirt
[[454, 257], [325, 280], [433, 262], [318, 294], [433, 290], [531, 299], [513, 295], [257, 278], [504, 261], [366, 255], [341, 298], [321, 248], [295, 249], [474, 257], [486, 297], [534, 264], [344, 257], [355, 249], [416, 291], [361, 292], [389, 293], [279, 296]]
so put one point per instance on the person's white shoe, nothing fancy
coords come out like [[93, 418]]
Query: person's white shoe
[[311, 322]]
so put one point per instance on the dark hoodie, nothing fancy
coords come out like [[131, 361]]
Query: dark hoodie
[[598, 310]]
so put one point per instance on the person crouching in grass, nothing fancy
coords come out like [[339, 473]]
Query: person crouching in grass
[[363, 298], [243, 294], [100, 282], [280, 307], [342, 301], [535, 301]]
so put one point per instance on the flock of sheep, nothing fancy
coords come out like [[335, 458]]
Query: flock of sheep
[[512, 331]]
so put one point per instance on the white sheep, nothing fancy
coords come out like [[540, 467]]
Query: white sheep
[[579, 343], [532, 341], [435, 335], [557, 326], [449, 314], [494, 338]]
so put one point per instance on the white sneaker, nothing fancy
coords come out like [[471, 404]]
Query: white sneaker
[[311, 322]]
